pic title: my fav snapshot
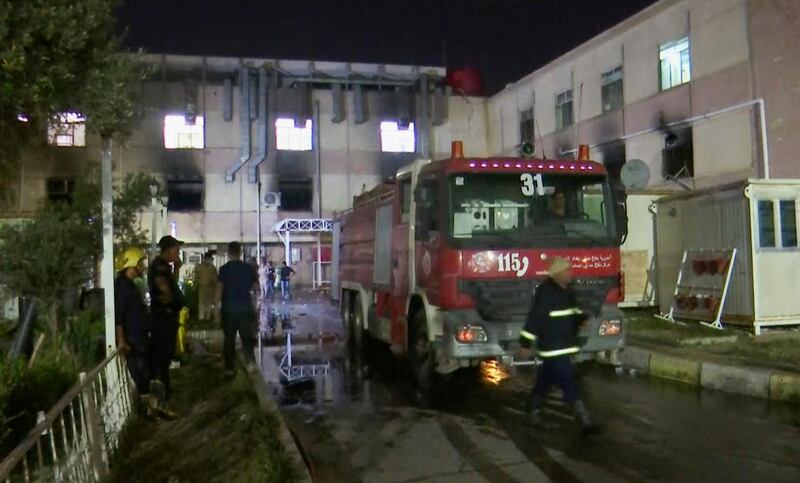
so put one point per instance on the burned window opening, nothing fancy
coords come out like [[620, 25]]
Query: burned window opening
[[60, 190], [296, 195], [185, 195]]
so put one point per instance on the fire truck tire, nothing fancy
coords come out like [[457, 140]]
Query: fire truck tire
[[344, 307], [423, 354], [355, 326]]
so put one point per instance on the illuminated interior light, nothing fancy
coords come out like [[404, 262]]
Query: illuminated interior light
[[483, 165]]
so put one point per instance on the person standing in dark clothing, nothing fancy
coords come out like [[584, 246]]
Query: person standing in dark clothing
[[236, 281], [287, 273], [552, 327], [133, 323], [166, 301]]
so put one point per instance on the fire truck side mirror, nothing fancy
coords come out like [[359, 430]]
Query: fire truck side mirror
[[620, 209]]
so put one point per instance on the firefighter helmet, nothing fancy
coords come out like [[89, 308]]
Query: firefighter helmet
[[130, 258]]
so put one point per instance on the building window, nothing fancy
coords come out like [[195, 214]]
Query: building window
[[60, 190], [185, 195], [675, 64], [788, 215], [526, 126], [296, 195], [179, 133], [611, 90], [290, 136], [766, 224], [395, 139], [564, 109], [67, 129]]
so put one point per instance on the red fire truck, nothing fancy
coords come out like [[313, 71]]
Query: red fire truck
[[441, 262]]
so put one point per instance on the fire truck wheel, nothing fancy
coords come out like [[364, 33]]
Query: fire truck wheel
[[355, 326], [423, 355], [344, 307]]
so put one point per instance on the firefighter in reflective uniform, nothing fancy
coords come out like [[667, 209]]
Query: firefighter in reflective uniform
[[552, 329], [133, 323]]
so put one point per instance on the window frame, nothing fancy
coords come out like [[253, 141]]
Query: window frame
[[604, 83], [776, 214], [671, 45], [182, 131], [286, 140], [560, 109]]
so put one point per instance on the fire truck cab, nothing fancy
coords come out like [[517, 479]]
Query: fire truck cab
[[441, 262]]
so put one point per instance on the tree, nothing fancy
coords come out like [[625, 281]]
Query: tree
[[56, 56], [56, 252]]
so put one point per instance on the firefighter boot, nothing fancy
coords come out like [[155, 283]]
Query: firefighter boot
[[587, 426], [534, 413]]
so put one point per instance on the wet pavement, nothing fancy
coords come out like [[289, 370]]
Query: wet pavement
[[363, 422]]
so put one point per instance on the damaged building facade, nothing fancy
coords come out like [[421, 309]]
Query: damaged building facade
[[238, 145]]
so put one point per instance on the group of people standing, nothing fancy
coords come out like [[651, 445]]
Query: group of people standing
[[268, 277], [147, 336]]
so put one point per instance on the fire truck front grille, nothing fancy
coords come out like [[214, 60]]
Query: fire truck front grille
[[501, 301], [510, 300], [591, 293]]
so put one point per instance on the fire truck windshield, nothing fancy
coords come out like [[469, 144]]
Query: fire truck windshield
[[489, 210]]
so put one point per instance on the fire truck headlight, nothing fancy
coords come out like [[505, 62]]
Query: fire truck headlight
[[609, 328], [471, 334]]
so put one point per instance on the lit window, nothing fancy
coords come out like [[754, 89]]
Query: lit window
[[611, 90], [179, 133], [675, 64], [564, 109], [290, 137], [394, 139], [66, 129]]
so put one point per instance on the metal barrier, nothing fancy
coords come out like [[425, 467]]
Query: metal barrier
[[76, 439]]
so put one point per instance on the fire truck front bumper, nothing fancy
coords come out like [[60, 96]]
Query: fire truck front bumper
[[467, 339]]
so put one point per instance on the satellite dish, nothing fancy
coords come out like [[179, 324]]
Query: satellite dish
[[635, 174]]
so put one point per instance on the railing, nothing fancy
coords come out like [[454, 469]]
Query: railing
[[76, 439]]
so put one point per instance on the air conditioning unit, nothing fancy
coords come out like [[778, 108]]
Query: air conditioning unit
[[271, 200]]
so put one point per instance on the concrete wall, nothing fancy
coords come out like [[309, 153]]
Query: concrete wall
[[775, 52], [726, 147]]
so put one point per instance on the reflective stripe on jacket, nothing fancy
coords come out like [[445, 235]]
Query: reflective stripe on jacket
[[553, 321]]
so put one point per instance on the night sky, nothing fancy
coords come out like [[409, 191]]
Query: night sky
[[505, 39]]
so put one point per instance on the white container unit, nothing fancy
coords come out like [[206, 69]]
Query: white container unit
[[638, 251], [759, 219]]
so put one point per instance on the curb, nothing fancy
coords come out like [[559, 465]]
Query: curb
[[285, 436], [764, 383]]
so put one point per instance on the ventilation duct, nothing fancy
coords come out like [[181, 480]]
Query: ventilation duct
[[359, 105], [190, 100], [227, 99], [302, 104], [337, 96], [244, 125], [263, 117], [439, 106]]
